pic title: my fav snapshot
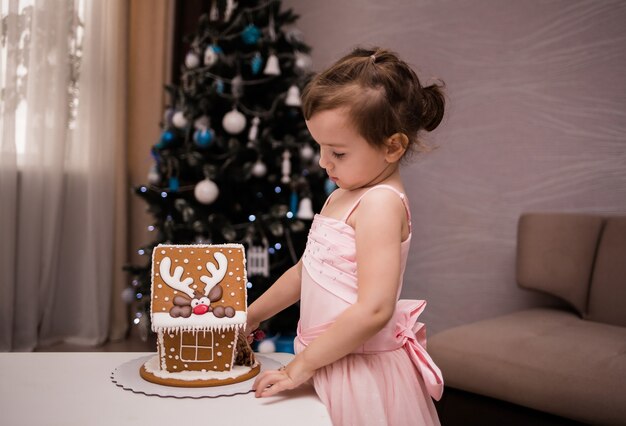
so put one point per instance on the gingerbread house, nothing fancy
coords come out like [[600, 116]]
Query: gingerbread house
[[198, 308]]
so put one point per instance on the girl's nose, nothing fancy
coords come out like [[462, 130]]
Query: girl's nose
[[323, 159], [322, 162]]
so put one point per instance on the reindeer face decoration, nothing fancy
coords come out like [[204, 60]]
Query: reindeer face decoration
[[194, 301]]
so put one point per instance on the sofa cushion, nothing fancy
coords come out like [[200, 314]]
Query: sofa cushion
[[607, 294], [555, 254], [545, 359]]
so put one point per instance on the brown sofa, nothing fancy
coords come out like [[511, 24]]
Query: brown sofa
[[568, 361]]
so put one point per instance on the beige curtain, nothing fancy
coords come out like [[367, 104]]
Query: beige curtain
[[58, 245], [149, 41]]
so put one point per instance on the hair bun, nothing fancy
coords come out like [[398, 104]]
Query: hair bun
[[434, 105]]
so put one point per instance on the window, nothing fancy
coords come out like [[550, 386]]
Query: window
[[15, 38], [196, 346]]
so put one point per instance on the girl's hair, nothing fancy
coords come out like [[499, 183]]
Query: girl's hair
[[382, 93]]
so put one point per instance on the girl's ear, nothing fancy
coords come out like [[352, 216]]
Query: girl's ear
[[396, 145]]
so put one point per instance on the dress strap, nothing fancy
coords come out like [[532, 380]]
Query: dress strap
[[400, 194]]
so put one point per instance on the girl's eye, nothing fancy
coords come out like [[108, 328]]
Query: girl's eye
[[338, 154]]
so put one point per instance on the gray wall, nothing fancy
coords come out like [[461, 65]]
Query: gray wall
[[536, 122]]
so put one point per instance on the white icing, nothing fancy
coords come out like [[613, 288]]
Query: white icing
[[161, 350], [164, 322], [233, 352], [152, 366]]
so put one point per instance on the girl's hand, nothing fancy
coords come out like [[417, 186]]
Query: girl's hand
[[251, 327], [271, 382]]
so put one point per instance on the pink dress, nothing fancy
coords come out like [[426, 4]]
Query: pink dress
[[391, 378]]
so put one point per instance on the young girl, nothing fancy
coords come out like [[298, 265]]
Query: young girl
[[362, 347]]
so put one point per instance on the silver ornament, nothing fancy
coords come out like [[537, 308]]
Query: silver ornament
[[179, 120], [192, 60], [259, 169], [206, 191], [234, 122]]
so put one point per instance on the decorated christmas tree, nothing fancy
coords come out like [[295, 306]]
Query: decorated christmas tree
[[235, 162]]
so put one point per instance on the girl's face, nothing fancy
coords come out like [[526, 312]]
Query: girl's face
[[350, 161]]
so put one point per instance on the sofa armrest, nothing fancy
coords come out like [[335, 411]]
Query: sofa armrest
[[555, 254]]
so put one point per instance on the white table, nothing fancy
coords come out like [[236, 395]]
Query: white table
[[76, 389]]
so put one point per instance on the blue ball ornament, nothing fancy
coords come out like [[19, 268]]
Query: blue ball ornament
[[204, 137], [167, 137], [251, 34]]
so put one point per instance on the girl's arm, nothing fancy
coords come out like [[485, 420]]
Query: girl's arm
[[282, 294], [378, 227]]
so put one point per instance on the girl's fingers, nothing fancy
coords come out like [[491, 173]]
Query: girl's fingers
[[263, 380], [270, 380], [279, 386]]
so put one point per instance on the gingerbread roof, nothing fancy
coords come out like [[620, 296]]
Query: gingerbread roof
[[198, 287]]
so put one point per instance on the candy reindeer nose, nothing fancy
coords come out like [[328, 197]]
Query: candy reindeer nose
[[201, 309]]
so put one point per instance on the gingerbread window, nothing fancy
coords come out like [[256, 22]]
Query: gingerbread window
[[196, 346]]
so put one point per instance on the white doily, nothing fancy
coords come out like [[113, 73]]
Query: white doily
[[127, 377]]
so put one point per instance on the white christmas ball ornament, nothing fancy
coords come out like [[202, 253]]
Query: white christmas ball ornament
[[234, 122], [266, 346], [192, 60], [307, 152], [179, 119], [206, 191], [303, 61], [259, 169]]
